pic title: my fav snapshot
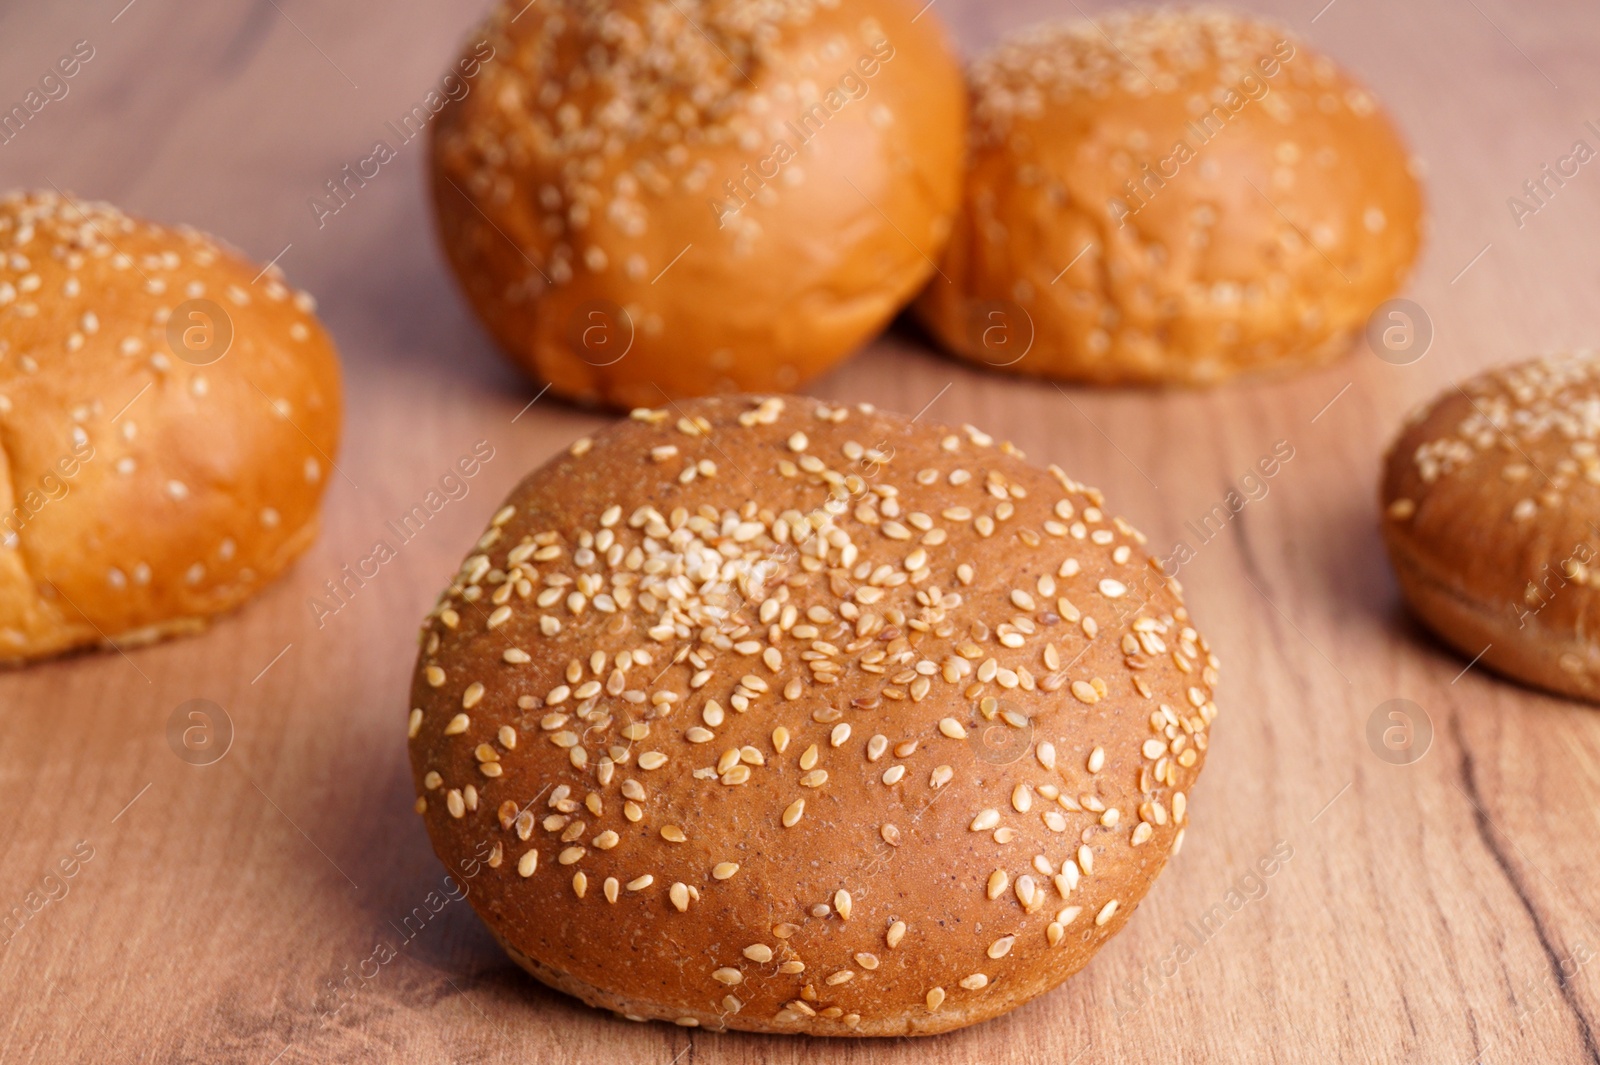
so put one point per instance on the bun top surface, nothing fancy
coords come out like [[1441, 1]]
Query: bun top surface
[[741, 647]]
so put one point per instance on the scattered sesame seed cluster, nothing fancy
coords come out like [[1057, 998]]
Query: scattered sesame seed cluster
[[141, 493], [768, 714], [1171, 196], [694, 196], [1491, 498]]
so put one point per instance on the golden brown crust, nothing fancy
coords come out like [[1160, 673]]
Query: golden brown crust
[[654, 202], [1491, 495], [1264, 232], [960, 696], [146, 488]]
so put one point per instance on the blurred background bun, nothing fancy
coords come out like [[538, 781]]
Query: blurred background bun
[[1170, 197], [168, 413], [679, 197], [1491, 499]]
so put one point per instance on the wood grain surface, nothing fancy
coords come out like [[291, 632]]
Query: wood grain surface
[[1441, 910]]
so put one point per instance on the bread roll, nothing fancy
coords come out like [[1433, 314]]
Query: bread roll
[[1491, 495], [682, 197], [1170, 197], [168, 413], [771, 715]]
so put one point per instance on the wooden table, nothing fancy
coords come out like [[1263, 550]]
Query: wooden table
[[1442, 910]]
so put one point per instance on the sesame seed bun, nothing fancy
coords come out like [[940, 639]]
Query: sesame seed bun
[[764, 714], [167, 413], [1491, 495], [1170, 197], [694, 196]]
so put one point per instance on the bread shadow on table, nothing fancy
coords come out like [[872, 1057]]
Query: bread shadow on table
[[1345, 565], [400, 311]]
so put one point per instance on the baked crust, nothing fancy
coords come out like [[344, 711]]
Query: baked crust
[[144, 488], [1490, 496], [717, 751], [622, 218], [1115, 231]]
